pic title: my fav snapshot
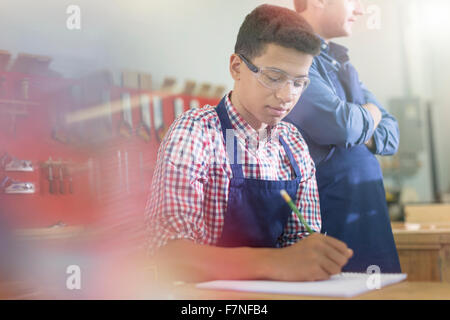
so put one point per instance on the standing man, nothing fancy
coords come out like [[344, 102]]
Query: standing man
[[215, 209], [345, 127]]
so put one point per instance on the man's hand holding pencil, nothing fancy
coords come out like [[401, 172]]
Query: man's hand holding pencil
[[317, 257]]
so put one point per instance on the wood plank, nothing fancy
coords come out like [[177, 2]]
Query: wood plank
[[423, 250], [145, 81], [204, 90], [444, 260], [428, 213], [189, 87], [218, 92], [420, 265], [130, 79]]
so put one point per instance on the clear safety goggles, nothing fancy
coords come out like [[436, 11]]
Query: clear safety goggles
[[276, 79]]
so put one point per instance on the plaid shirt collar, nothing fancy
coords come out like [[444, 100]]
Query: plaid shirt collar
[[244, 132]]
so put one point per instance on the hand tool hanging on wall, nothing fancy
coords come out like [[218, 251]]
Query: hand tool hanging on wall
[[10, 163], [68, 174], [61, 177], [126, 127], [20, 188], [158, 118], [5, 180], [178, 107], [14, 187], [119, 166], [50, 175], [2, 86], [194, 104], [19, 165], [25, 88], [106, 100], [62, 130], [127, 180], [90, 168], [141, 170], [145, 127]]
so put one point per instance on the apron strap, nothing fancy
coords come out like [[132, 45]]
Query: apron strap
[[232, 152], [291, 157]]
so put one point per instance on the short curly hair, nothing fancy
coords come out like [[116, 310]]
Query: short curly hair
[[273, 24]]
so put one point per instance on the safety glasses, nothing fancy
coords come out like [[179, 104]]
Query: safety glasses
[[276, 79]]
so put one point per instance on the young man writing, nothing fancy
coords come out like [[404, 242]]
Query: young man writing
[[215, 210], [345, 126]]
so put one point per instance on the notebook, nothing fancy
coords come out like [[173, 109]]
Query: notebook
[[346, 284]]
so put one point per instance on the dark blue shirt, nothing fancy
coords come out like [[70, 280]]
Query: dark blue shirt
[[326, 121]]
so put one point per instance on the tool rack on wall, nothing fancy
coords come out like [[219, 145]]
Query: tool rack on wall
[[80, 151]]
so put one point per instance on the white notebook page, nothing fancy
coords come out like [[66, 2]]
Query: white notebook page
[[341, 285]]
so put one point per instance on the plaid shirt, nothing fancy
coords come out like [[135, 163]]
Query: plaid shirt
[[190, 185]]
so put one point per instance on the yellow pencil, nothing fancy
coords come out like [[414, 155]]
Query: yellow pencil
[[291, 204]]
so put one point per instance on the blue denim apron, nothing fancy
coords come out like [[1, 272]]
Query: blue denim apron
[[352, 196], [256, 213]]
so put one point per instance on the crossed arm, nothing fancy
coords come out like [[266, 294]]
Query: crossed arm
[[329, 120]]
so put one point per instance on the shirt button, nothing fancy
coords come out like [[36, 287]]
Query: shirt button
[[334, 62], [324, 46]]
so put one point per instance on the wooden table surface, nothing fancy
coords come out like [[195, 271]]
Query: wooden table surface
[[400, 291], [405, 290]]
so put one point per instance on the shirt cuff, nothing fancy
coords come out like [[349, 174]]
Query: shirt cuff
[[368, 129]]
